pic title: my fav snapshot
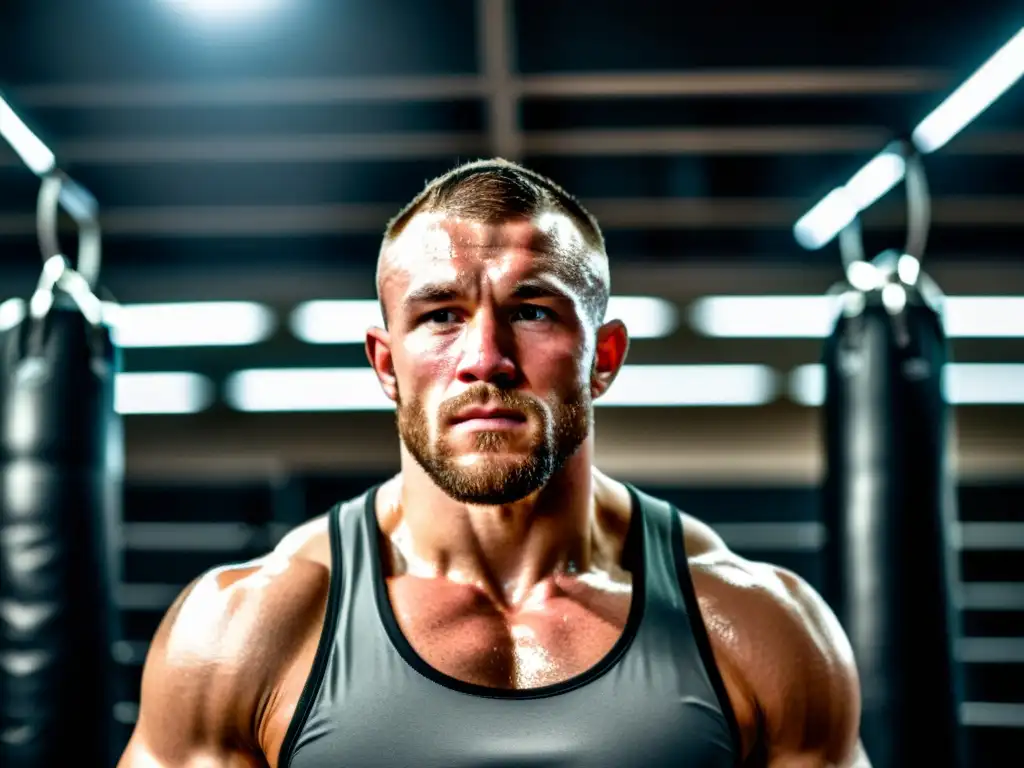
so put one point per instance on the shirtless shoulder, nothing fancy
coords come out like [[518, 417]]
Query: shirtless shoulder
[[785, 660], [229, 660]]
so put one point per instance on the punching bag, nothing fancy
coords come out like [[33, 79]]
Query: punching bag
[[61, 458], [890, 507]]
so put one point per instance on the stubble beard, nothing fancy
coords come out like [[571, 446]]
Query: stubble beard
[[500, 472]]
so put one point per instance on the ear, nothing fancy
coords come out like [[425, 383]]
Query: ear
[[378, 352], [612, 346]]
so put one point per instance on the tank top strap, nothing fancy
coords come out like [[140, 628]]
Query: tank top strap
[[660, 530]]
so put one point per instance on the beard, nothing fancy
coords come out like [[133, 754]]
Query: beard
[[498, 475]]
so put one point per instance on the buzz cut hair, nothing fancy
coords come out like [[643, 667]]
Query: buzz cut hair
[[494, 191]]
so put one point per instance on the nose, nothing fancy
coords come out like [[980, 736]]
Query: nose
[[485, 353]]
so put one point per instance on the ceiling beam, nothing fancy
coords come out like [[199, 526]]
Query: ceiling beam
[[333, 90], [496, 49], [630, 213]]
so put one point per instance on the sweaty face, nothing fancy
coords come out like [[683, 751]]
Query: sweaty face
[[492, 346]]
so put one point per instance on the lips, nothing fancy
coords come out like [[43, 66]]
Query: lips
[[503, 414]]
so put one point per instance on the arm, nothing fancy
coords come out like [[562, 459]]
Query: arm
[[787, 663], [194, 706], [817, 725]]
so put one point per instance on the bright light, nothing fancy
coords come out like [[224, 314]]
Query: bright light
[[813, 317], [357, 389], [306, 389], [691, 385], [791, 317], [908, 268], [981, 317], [345, 321], [646, 317], [223, 10], [341, 321], [838, 208], [962, 383], [176, 392], [984, 383], [199, 324], [973, 97], [12, 312], [33, 152], [807, 385]]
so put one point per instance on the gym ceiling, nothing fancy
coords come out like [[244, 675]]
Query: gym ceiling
[[255, 155]]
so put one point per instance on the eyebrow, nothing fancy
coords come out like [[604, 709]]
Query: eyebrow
[[432, 293], [439, 293], [538, 289]]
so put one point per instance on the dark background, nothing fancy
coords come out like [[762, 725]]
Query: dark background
[[257, 157]]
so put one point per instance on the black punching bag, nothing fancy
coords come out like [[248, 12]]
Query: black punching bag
[[61, 459], [890, 506]]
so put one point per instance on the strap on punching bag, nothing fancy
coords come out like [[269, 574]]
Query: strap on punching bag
[[889, 501], [61, 459]]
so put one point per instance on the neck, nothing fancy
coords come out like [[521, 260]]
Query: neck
[[509, 551]]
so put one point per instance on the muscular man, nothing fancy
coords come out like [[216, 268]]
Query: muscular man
[[499, 602]]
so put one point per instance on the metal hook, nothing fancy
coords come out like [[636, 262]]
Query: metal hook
[[58, 191], [851, 241]]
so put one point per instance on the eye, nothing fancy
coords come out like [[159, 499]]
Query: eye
[[532, 313], [439, 317]]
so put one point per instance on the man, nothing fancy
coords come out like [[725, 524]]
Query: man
[[499, 602]]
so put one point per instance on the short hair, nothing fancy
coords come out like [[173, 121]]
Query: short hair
[[497, 190]]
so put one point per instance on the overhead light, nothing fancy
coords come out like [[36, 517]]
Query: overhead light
[[306, 389], [357, 389], [973, 97], [30, 148], [962, 383], [984, 383], [190, 324], [807, 385], [808, 317], [982, 317], [162, 393], [838, 208], [223, 10], [335, 321], [645, 317], [691, 385], [813, 317], [344, 321]]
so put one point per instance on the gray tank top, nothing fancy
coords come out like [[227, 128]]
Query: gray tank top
[[656, 699]]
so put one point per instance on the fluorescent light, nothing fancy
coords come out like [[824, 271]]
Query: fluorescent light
[[306, 389], [962, 383], [813, 317], [645, 317], [341, 321], [30, 148], [691, 385], [981, 317], [838, 208], [172, 392], [973, 97], [345, 321], [190, 324], [357, 389], [792, 317], [807, 385], [984, 383]]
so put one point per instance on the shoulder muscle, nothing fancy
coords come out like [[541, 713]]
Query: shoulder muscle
[[214, 660], [786, 648]]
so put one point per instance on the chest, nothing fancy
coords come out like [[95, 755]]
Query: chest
[[459, 632]]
